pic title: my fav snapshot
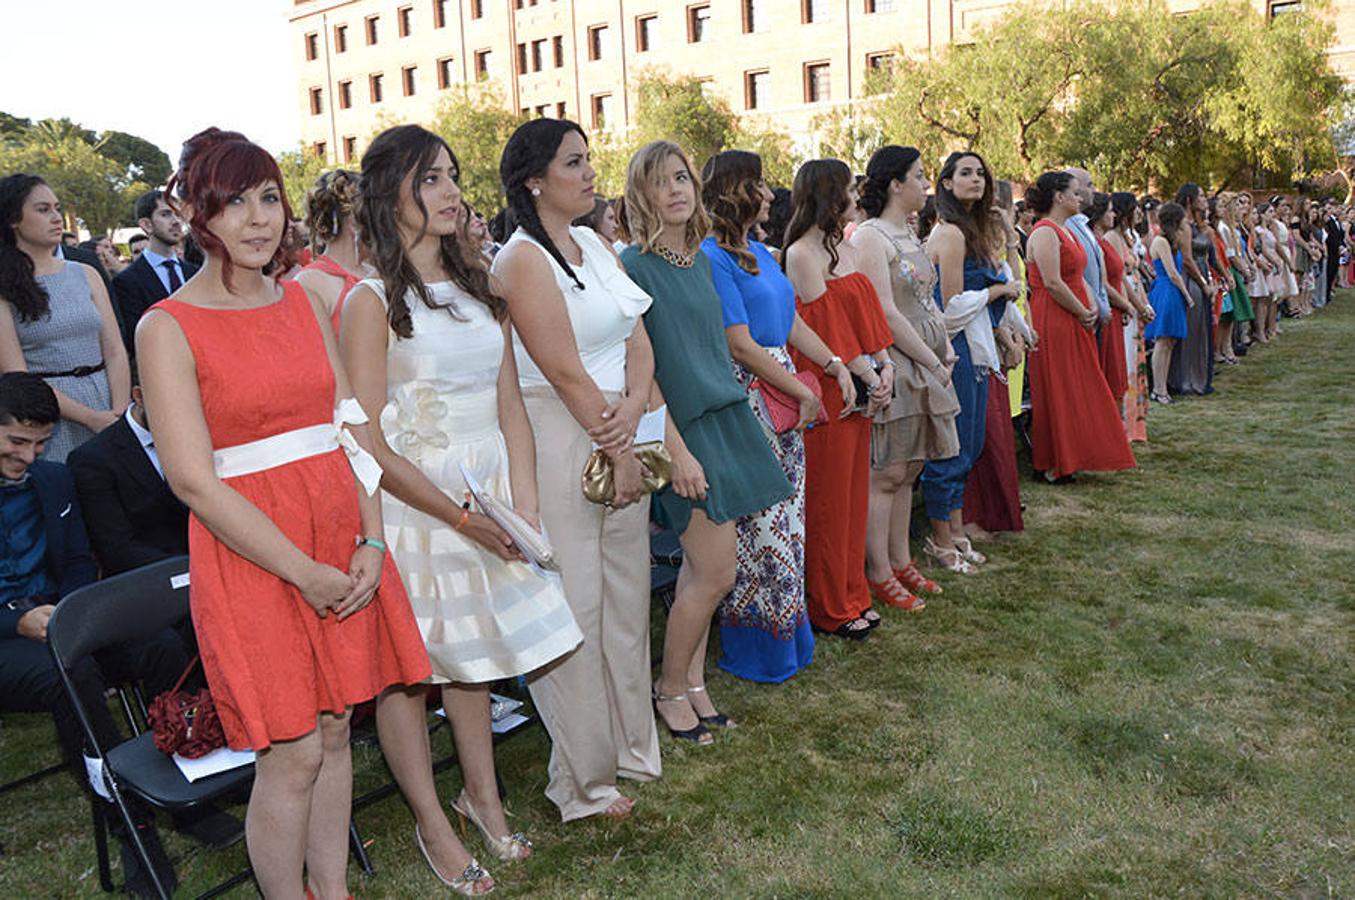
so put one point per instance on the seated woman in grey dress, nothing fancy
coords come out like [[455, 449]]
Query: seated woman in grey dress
[[55, 317]]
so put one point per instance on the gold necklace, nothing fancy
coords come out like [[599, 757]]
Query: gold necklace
[[681, 260]]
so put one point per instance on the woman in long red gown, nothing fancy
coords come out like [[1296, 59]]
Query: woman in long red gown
[[285, 550], [1110, 342], [1075, 422]]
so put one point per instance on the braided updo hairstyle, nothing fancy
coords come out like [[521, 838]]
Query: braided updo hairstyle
[[333, 198], [528, 155], [216, 166], [888, 164]]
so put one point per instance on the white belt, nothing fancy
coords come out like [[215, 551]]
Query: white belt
[[313, 440]]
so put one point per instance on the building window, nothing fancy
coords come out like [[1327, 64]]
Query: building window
[[644, 32], [538, 55], [370, 24], [597, 40], [557, 49], [560, 110], [698, 23], [312, 47], [1278, 8], [541, 110], [317, 101], [477, 9], [350, 148], [602, 111], [522, 59], [404, 20], [754, 16], [818, 88], [439, 13], [879, 6], [482, 61], [319, 148], [374, 88], [345, 94], [813, 11], [880, 62], [407, 80], [445, 73], [755, 86], [340, 38]]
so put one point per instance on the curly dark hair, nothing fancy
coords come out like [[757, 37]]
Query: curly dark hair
[[395, 155], [819, 195], [330, 200], [18, 285], [887, 165], [981, 228]]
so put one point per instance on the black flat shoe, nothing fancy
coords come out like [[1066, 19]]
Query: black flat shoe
[[846, 630]]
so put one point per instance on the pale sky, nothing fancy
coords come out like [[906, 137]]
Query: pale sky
[[163, 69]]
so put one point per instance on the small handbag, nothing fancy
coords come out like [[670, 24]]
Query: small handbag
[[599, 475], [783, 411], [184, 723]]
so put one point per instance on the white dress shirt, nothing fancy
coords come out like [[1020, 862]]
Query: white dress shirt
[[147, 442], [157, 263]]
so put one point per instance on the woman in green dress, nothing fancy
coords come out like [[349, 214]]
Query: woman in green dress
[[723, 466]]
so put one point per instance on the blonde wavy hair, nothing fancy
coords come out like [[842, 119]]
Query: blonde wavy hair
[[638, 216]]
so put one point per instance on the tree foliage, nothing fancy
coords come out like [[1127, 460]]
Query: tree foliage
[[475, 122], [300, 168], [92, 188], [143, 160]]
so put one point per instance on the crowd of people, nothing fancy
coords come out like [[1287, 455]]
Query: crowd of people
[[798, 362]]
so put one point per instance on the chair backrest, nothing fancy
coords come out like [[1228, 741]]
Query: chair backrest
[[130, 605]]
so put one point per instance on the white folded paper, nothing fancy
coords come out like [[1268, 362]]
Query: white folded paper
[[223, 759]]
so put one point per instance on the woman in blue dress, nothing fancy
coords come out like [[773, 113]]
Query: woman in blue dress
[[1168, 296]]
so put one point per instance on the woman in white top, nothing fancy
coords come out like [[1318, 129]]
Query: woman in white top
[[428, 346], [586, 366]]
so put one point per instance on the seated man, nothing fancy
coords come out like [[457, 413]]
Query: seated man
[[132, 516], [44, 555]]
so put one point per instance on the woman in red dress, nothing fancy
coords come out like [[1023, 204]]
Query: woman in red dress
[[1110, 342], [839, 303], [285, 549], [1075, 423]]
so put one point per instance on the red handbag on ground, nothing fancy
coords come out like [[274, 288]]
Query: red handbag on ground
[[783, 411], [184, 723]]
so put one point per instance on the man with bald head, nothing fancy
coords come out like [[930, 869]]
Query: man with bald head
[[1095, 272]]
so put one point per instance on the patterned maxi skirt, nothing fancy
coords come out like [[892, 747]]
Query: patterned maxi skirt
[[765, 633]]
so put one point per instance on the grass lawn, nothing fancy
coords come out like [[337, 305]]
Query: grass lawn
[[1151, 692]]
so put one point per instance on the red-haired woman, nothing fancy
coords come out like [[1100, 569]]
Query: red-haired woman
[[836, 299], [242, 383]]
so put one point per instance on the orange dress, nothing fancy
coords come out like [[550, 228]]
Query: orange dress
[[272, 663], [1111, 343], [1075, 422], [330, 267], [849, 319]]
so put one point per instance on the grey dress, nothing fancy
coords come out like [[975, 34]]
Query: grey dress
[[919, 423], [1192, 368], [67, 338]]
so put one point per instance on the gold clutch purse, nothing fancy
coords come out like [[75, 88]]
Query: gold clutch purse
[[655, 464]]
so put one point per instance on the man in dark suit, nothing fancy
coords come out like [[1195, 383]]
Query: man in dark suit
[[1335, 235], [132, 516], [157, 272], [44, 555]]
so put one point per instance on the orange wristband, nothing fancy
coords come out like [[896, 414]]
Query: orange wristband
[[465, 512]]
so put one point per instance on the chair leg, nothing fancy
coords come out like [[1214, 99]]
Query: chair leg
[[101, 844], [135, 836], [358, 850]]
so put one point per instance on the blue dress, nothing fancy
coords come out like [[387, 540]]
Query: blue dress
[[1169, 307]]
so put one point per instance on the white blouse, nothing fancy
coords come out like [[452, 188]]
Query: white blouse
[[603, 314]]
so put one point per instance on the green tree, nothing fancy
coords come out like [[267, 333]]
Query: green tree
[[143, 160], [13, 127], [850, 133], [476, 124], [92, 188], [300, 168]]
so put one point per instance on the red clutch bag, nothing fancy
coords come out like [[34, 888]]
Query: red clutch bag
[[185, 723], [783, 411]]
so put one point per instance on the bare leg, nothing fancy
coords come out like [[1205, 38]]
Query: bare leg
[[707, 574], [402, 726], [901, 519], [331, 808], [884, 487], [941, 534], [1162, 362], [277, 822], [468, 708]]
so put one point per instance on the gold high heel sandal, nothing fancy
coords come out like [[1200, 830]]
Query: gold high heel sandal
[[509, 847], [467, 884]]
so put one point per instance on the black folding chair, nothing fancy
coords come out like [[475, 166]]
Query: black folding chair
[[125, 607]]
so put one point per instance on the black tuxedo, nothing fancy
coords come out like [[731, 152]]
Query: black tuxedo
[[136, 289], [132, 516], [1336, 238]]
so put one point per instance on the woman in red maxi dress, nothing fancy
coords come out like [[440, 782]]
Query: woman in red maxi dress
[[839, 303], [1075, 422], [299, 612]]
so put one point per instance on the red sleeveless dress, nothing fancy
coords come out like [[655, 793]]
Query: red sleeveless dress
[[1075, 422], [272, 663], [330, 267], [1111, 352]]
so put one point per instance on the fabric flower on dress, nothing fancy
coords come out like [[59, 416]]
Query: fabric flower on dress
[[412, 421]]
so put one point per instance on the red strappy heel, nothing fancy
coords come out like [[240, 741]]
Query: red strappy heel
[[896, 595], [915, 581]]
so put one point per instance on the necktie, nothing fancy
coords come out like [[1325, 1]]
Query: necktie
[[174, 281]]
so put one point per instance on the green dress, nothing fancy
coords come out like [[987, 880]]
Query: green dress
[[708, 406]]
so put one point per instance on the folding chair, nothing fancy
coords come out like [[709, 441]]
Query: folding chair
[[125, 607]]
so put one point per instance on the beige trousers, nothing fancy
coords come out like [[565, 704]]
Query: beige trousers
[[594, 702]]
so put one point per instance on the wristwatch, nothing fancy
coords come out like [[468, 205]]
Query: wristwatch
[[831, 360]]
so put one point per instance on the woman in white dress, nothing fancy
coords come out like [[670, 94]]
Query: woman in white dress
[[431, 360]]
